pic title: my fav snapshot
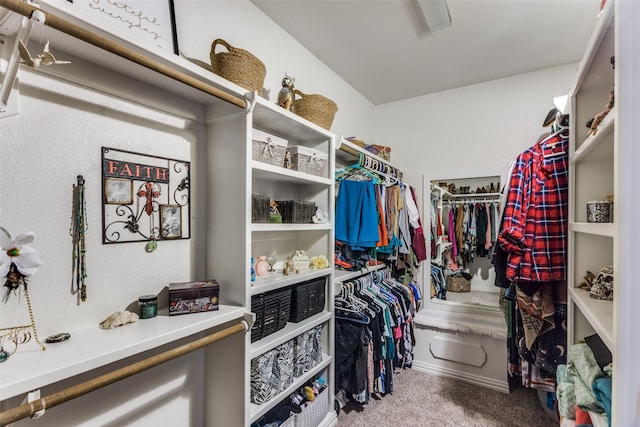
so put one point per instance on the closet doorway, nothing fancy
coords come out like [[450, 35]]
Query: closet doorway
[[464, 216]]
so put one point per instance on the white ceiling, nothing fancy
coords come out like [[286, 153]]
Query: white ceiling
[[384, 49]]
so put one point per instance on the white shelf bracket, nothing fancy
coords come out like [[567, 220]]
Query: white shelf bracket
[[32, 396], [11, 56]]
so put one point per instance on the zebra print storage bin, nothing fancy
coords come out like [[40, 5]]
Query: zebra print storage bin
[[307, 351], [272, 373]]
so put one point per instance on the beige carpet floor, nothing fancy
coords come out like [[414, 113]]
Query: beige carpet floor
[[423, 400]]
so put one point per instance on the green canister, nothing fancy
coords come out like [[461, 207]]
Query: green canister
[[148, 306]]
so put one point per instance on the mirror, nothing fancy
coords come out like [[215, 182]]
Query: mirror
[[464, 219]]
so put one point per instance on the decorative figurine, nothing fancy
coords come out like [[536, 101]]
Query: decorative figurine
[[45, 58], [320, 217], [285, 96], [287, 160], [289, 267], [595, 122], [274, 214]]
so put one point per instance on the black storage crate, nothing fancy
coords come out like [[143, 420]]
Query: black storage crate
[[307, 299], [272, 312], [296, 211]]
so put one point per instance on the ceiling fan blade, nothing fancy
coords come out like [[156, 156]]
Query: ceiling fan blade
[[436, 14]]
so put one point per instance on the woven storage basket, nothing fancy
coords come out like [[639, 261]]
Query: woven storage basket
[[260, 208], [308, 160], [307, 299], [272, 312], [458, 284], [315, 108], [296, 211], [314, 413], [238, 66], [267, 148]]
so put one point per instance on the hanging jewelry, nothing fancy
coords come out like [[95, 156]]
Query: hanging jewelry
[[78, 229]]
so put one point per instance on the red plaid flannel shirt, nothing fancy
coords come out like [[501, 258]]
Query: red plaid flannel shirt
[[534, 228]]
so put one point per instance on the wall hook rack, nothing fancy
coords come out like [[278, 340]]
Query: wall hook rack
[[13, 61]]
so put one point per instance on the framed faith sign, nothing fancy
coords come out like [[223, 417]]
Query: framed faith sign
[[145, 198]]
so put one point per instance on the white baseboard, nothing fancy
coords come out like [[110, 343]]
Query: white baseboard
[[487, 382]]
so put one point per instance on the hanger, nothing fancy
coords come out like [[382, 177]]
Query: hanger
[[544, 144], [352, 316], [553, 135], [357, 168]]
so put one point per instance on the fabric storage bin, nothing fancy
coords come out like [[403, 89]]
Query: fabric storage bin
[[308, 160], [307, 353], [267, 148], [284, 364], [272, 372], [307, 299], [296, 211], [264, 381], [314, 412], [272, 312], [260, 208]]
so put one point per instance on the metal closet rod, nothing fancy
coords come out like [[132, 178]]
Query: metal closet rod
[[29, 409], [78, 32]]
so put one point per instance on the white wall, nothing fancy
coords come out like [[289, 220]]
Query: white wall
[[470, 131], [475, 129]]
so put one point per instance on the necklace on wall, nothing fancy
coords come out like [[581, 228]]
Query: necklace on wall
[[78, 229]]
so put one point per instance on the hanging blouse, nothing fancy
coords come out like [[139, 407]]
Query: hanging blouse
[[357, 214], [534, 230]]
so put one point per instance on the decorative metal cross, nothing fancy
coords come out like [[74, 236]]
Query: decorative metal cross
[[150, 194]]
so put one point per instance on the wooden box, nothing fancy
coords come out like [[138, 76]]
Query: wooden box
[[193, 297]]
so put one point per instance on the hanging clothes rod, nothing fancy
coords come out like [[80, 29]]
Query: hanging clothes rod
[[468, 201], [29, 409], [60, 24], [395, 172]]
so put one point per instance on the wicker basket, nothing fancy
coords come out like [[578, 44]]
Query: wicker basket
[[315, 108], [314, 413], [307, 299], [238, 66], [308, 160], [458, 284], [272, 312], [267, 148]]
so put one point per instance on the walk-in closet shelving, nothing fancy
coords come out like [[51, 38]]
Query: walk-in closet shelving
[[226, 176], [592, 176], [233, 177], [92, 350], [604, 163]]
